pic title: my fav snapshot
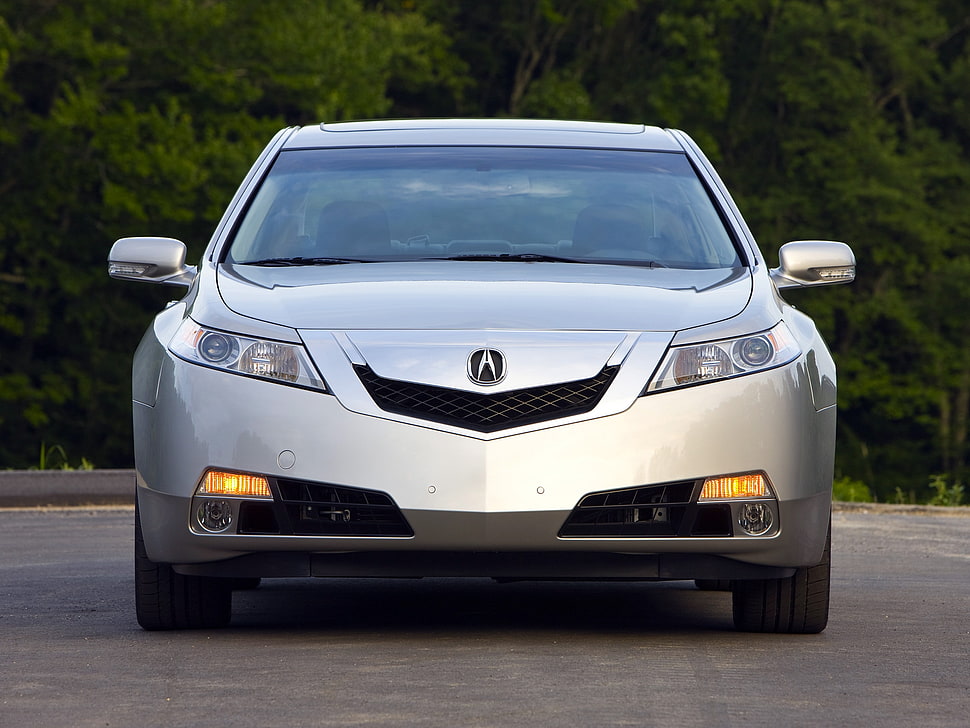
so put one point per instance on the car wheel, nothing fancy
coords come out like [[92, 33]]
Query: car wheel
[[798, 604], [165, 599], [713, 584]]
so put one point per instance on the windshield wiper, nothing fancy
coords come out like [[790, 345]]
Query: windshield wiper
[[542, 258], [299, 260], [504, 257], [528, 257]]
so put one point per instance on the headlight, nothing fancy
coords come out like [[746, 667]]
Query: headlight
[[274, 360], [715, 360]]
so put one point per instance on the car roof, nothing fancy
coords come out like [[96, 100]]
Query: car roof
[[484, 132]]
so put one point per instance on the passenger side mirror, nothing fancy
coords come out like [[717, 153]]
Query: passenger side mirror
[[153, 260], [813, 263]]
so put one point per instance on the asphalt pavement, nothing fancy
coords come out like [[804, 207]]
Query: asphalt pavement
[[440, 653]]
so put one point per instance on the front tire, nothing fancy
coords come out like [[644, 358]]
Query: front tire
[[798, 604], [166, 600]]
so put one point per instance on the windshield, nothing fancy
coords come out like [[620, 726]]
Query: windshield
[[325, 206]]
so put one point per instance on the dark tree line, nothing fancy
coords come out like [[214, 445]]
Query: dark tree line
[[845, 120]]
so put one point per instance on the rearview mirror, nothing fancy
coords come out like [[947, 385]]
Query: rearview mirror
[[813, 263], [153, 260]]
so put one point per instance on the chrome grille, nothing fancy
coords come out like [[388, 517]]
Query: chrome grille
[[486, 412]]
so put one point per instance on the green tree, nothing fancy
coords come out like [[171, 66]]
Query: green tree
[[838, 134], [123, 118], [527, 58]]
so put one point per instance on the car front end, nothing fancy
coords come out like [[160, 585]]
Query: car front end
[[473, 403]]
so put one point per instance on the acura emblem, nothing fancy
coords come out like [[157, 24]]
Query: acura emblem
[[486, 366]]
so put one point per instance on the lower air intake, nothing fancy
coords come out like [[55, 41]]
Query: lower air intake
[[666, 510], [321, 509]]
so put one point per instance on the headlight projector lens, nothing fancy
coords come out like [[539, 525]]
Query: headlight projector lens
[[756, 351], [215, 348]]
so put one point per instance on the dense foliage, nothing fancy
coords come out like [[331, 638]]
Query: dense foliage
[[839, 119]]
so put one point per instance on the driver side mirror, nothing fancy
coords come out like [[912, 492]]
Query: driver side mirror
[[153, 260], [804, 263]]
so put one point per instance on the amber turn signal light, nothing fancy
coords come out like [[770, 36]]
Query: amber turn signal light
[[748, 485], [219, 482]]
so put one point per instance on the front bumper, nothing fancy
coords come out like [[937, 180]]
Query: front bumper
[[484, 507]]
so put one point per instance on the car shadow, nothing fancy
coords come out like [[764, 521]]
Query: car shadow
[[435, 605]]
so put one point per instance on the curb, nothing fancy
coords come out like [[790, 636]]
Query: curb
[[38, 488], [901, 510]]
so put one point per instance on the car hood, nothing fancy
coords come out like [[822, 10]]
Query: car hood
[[459, 295]]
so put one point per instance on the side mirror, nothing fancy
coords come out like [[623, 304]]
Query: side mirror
[[153, 260], [813, 263]]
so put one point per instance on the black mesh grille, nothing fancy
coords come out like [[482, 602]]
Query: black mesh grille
[[486, 412], [650, 510], [321, 509]]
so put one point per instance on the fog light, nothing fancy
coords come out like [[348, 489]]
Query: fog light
[[755, 518], [214, 515]]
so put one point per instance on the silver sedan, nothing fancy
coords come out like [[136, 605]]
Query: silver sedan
[[512, 349]]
